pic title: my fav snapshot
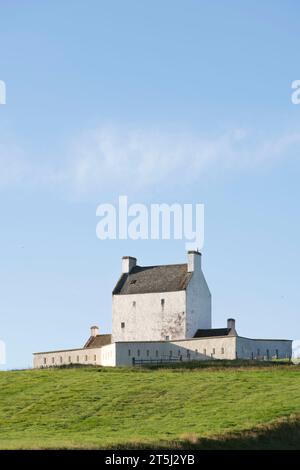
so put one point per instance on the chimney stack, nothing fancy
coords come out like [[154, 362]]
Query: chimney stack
[[194, 261], [128, 262], [231, 323], [94, 331]]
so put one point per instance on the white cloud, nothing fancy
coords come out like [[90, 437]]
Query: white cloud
[[122, 158], [13, 165], [107, 156]]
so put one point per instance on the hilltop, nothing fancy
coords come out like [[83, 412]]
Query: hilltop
[[201, 406]]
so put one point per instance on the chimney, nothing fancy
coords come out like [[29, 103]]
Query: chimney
[[231, 323], [94, 331], [128, 262], [194, 261]]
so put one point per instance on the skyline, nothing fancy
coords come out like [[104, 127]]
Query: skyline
[[164, 103]]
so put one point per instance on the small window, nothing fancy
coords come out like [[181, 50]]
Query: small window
[[204, 351], [268, 353], [222, 350], [123, 324], [258, 352], [156, 353], [77, 358], [134, 303], [70, 360], [138, 352], [133, 281], [53, 360], [162, 303], [196, 351], [170, 353], [277, 354], [86, 358], [95, 357], [214, 351], [167, 338], [148, 352], [178, 352], [129, 352], [45, 360]]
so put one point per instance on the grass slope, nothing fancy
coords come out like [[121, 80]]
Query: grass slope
[[194, 407]]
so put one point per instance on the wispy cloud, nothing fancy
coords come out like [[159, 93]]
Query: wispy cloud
[[14, 168], [105, 156], [101, 158]]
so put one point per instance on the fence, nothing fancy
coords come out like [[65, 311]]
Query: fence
[[156, 362]]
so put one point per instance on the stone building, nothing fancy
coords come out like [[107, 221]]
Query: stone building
[[163, 314]]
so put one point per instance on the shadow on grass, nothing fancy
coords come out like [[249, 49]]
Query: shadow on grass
[[284, 434]]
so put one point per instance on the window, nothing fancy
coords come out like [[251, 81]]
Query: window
[[138, 352], [77, 358], [95, 357], [170, 353], [196, 351], [53, 360], [134, 303], [162, 303], [70, 360], [123, 324], [148, 352], [167, 338], [214, 351], [178, 352], [268, 353], [258, 352], [277, 354], [45, 360], [129, 352], [204, 351], [86, 358], [222, 350], [156, 353]]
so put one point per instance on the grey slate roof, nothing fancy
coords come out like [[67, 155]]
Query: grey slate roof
[[212, 332], [148, 279], [98, 341]]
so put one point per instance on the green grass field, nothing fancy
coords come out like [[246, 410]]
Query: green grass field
[[211, 406]]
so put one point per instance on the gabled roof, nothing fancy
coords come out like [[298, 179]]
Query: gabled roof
[[148, 279], [214, 332], [97, 341]]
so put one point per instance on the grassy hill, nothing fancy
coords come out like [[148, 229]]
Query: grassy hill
[[201, 406]]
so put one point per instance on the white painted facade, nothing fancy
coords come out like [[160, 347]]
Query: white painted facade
[[146, 318], [160, 316], [67, 357], [129, 353], [160, 327]]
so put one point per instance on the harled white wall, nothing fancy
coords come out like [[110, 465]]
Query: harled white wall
[[148, 320], [198, 300], [67, 357], [248, 348]]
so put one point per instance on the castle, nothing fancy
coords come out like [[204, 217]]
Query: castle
[[163, 314]]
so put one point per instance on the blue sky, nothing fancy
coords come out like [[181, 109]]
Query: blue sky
[[204, 90]]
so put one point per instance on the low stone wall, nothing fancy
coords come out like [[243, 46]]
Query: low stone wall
[[124, 353], [67, 357], [263, 349], [222, 347]]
